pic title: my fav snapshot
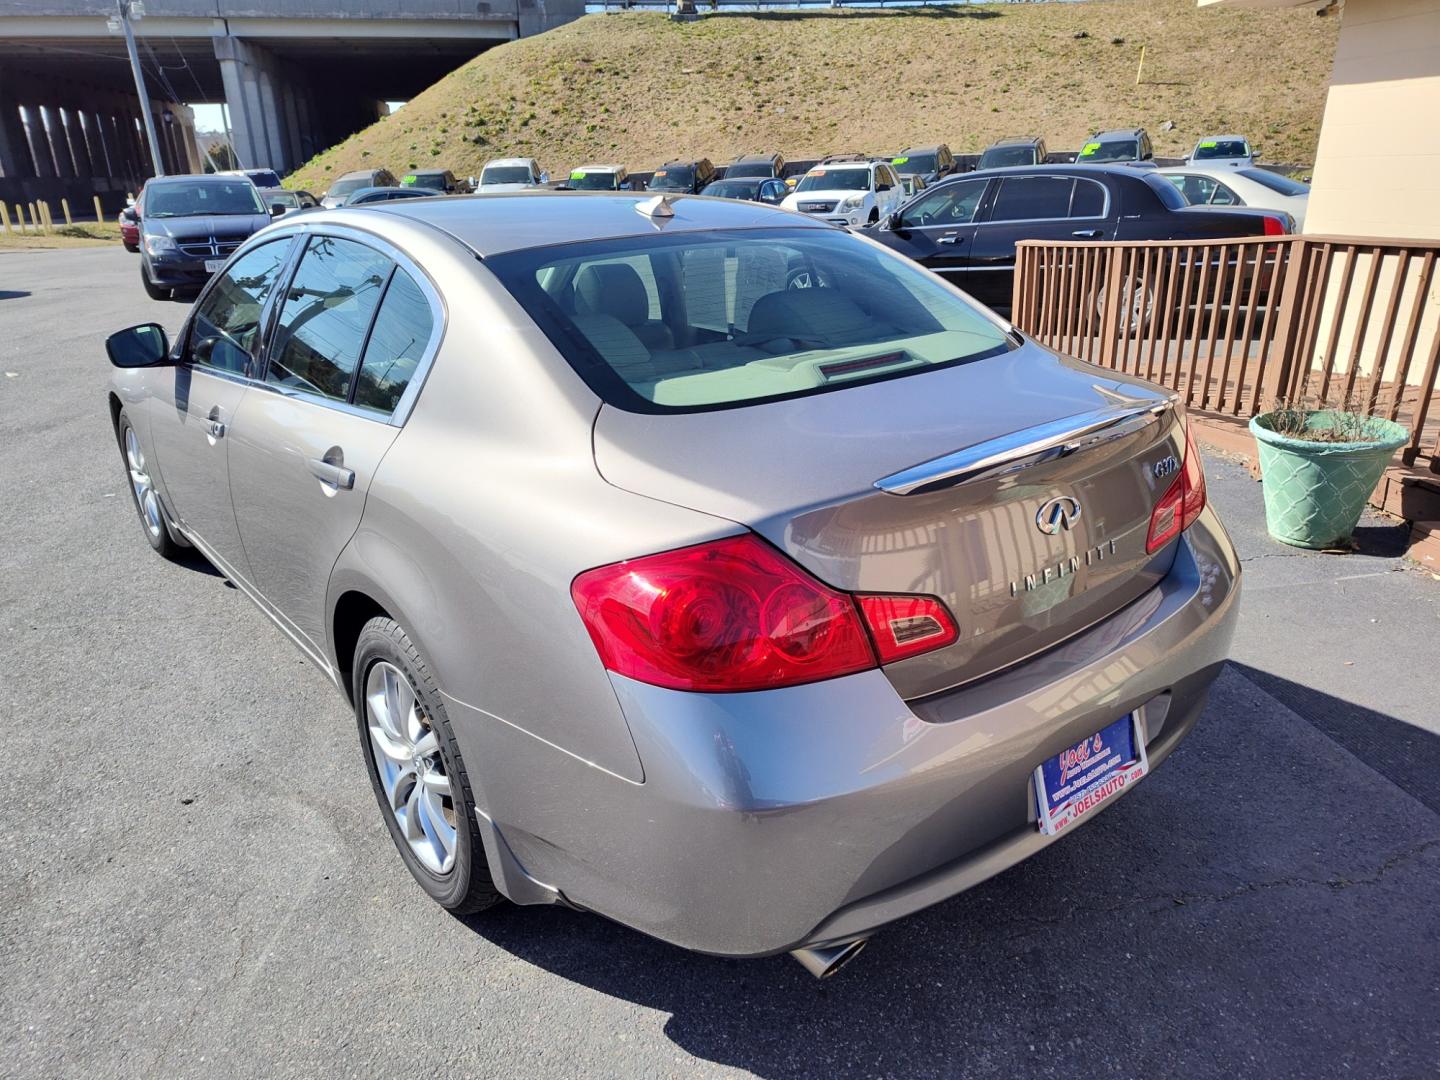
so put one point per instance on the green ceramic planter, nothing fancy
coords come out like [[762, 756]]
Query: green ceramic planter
[[1315, 491]]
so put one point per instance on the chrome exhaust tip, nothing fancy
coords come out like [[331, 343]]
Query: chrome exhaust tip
[[826, 960]]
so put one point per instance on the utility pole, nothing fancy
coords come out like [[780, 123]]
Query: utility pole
[[127, 10]]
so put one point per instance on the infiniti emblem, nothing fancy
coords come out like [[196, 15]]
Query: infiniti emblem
[[1057, 515]]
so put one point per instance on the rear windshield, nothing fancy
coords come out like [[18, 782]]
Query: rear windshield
[[182, 199], [766, 314], [1281, 185], [1110, 150], [506, 174], [1007, 157], [750, 168], [593, 181], [833, 179], [264, 178], [916, 164], [1221, 148], [673, 178], [345, 187]]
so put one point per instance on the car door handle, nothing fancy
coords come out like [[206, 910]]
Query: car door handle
[[1089, 234], [337, 476], [951, 239]]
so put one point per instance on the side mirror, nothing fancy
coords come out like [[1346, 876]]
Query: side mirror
[[544, 177], [146, 345], [277, 209], [893, 221]]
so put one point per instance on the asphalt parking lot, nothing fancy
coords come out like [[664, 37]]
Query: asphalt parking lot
[[196, 881]]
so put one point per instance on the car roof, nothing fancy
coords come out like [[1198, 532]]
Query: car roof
[[360, 172], [507, 161], [598, 168], [211, 178], [1017, 140], [747, 159], [1068, 169], [1237, 138], [921, 150], [512, 221], [1126, 132]]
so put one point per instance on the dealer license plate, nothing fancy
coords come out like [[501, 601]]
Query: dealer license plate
[[212, 266], [1081, 778]]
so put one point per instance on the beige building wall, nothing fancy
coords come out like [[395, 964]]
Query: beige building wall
[[1377, 168]]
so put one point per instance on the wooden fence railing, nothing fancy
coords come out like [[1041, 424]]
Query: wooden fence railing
[[1233, 325]]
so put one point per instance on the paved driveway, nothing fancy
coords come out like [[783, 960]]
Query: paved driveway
[[194, 879]]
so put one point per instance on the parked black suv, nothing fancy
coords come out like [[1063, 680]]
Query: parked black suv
[[682, 176], [930, 163], [1013, 152], [1123, 146], [966, 227], [189, 225], [752, 166]]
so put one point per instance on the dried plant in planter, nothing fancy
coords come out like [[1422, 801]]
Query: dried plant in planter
[[1314, 421]]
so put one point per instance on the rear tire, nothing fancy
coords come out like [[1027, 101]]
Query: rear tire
[[155, 292], [143, 494], [416, 772]]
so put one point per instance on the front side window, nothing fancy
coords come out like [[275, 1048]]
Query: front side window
[[833, 179], [397, 342], [213, 197], [326, 316], [1032, 198], [768, 314], [227, 321], [953, 204]]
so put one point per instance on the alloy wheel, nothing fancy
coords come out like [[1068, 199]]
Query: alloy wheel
[[145, 497], [412, 772]]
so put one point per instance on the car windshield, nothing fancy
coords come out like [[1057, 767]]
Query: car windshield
[[767, 313], [346, 186], [594, 181], [732, 189], [1281, 185], [284, 198], [505, 174], [914, 163], [832, 179], [424, 179], [263, 178], [1221, 148], [749, 168], [1007, 157], [183, 199], [1110, 150], [673, 178]]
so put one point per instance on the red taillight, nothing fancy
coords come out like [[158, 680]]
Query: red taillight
[[729, 615], [1275, 226], [1182, 502], [736, 614], [903, 626]]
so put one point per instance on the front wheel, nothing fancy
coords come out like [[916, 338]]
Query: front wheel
[[416, 772], [142, 491], [155, 292]]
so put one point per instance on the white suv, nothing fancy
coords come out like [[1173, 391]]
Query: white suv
[[847, 192], [511, 174]]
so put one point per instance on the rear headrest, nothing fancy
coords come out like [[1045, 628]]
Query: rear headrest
[[809, 313], [612, 289], [618, 344]]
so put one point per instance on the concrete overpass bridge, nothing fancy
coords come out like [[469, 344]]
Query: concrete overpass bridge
[[297, 75]]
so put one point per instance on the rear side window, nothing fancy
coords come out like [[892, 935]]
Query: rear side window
[[326, 316], [1030, 198], [402, 330], [1281, 185], [747, 316], [1088, 200]]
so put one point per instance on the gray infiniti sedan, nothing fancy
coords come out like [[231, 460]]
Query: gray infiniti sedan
[[686, 560]]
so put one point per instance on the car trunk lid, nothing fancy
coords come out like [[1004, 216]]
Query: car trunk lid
[[1017, 489]]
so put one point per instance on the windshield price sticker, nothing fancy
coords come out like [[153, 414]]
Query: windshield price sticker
[[577, 174], [899, 161], [1089, 149], [1209, 145]]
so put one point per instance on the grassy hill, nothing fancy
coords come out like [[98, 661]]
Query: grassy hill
[[638, 89]]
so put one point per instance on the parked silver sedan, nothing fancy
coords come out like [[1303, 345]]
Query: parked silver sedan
[[686, 560]]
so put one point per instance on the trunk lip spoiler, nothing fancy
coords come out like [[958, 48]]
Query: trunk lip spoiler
[[1026, 447]]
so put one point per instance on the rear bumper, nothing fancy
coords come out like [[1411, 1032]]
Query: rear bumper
[[818, 813]]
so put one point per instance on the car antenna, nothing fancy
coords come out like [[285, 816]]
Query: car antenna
[[661, 206]]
